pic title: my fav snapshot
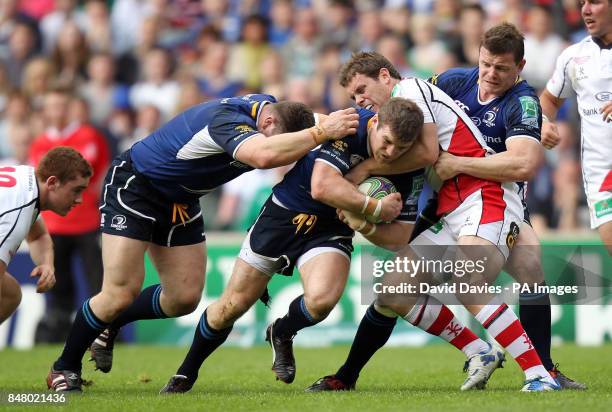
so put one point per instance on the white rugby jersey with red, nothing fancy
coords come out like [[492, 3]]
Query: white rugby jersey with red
[[19, 207], [586, 67], [471, 206]]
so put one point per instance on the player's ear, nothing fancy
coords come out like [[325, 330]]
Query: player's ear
[[53, 182], [383, 75], [521, 65]]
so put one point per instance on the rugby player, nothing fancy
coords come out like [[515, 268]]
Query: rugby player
[[476, 212], [151, 204], [298, 228], [586, 68], [57, 184]]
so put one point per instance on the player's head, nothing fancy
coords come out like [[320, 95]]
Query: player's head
[[597, 16], [369, 78], [62, 174], [395, 129], [285, 117], [501, 58]]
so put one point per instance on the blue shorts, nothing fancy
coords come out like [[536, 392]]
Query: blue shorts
[[132, 208]]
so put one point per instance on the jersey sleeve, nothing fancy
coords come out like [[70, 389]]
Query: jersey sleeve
[[230, 128], [524, 117], [559, 84], [418, 91]]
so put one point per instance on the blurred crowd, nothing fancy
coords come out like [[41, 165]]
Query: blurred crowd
[[124, 67]]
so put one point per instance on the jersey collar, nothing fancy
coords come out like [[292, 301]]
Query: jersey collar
[[601, 44]]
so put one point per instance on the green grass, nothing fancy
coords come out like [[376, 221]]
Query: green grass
[[240, 379]]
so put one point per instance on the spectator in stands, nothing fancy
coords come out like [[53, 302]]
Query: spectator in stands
[[158, 87], [98, 27], [70, 56], [248, 53], [38, 77], [77, 233], [301, 51], [101, 91], [212, 73], [15, 116], [21, 49], [281, 22], [466, 46], [52, 24]]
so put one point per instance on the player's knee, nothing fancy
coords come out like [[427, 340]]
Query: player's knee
[[320, 305], [184, 303], [527, 268], [116, 301]]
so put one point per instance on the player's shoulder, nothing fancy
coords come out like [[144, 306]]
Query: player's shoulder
[[521, 91], [458, 75], [19, 188], [579, 49]]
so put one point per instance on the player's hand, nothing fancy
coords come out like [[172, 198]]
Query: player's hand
[[46, 275], [550, 135], [606, 112], [360, 172], [352, 220], [391, 207], [340, 123], [447, 166]]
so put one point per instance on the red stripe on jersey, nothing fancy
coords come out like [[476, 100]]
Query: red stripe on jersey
[[443, 319], [510, 334], [464, 143], [453, 192], [465, 337], [528, 359], [607, 183], [501, 309], [493, 204]]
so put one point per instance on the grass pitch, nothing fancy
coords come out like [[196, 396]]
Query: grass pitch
[[235, 379]]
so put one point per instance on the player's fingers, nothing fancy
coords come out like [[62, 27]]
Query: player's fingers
[[35, 272]]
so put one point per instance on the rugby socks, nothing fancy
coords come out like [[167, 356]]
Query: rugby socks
[[296, 319], [501, 323], [373, 332], [435, 318], [85, 329], [534, 311], [205, 341], [145, 306]]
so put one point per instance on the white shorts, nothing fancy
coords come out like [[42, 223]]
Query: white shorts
[[598, 189], [494, 213]]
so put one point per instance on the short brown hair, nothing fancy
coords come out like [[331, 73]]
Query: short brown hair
[[504, 38], [368, 64], [404, 118], [293, 116], [65, 163]]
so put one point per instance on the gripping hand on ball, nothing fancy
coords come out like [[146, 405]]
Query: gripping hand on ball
[[391, 207]]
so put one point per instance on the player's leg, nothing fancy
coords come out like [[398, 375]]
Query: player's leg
[[324, 272], [123, 260], [10, 293], [605, 232], [245, 286], [496, 317]]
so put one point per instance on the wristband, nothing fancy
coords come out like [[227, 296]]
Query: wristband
[[365, 204], [372, 207], [361, 226], [378, 209], [371, 231], [318, 134]]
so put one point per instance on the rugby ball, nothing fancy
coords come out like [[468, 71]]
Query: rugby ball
[[377, 188]]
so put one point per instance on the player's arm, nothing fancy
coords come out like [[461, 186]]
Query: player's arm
[[263, 152], [423, 153], [330, 187], [392, 236], [41, 251], [518, 163]]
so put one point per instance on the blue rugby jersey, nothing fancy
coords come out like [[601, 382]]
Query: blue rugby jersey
[[294, 191], [194, 152], [516, 113]]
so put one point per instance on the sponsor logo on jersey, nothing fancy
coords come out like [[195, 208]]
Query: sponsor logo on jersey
[[118, 222], [603, 207], [490, 139], [340, 145], [238, 164], [463, 106], [590, 111], [529, 108], [512, 235], [476, 121], [489, 118], [244, 128], [581, 73], [604, 96], [581, 59]]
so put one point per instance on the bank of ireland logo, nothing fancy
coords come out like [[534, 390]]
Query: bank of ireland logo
[[604, 96], [118, 222], [476, 121]]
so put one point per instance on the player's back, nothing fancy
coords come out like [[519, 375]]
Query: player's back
[[18, 207]]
